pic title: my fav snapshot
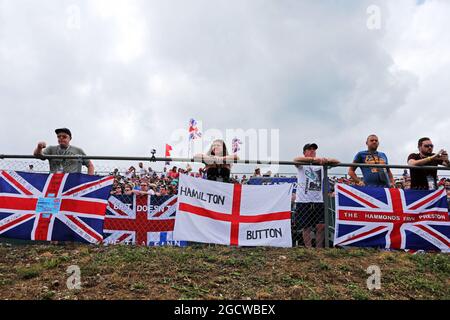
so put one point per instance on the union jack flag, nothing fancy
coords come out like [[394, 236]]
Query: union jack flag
[[392, 218], [235, 145], [62, 207], [141, 220], [194, 132]]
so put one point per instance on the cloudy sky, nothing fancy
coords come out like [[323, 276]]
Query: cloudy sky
[[126, 76]]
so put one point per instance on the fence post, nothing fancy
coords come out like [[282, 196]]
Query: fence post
[[325, 189]]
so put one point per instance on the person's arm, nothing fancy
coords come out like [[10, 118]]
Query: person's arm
[[310, 160], [91, 168], [231, 157], [421, 162], [38, 151], [203, 158], [353, 176], [331, 161], [391, 178], [389, 172], [425, 161], [88, 163], [141, 193]]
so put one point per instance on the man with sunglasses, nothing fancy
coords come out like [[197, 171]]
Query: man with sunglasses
[[426, 179], [145, 189], [62, 149]]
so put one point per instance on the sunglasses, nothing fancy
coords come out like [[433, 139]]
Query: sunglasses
[[428, 146]]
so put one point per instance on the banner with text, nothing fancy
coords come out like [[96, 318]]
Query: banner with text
[[392, 218], [233, 214]]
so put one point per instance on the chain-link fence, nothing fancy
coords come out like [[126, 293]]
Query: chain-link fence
[[141, 207], [142, 204]]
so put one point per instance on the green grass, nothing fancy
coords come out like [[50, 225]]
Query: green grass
[[191, 291], [435, 263], [29, 272], [292, 281], [324, 266], [138, 286], [357, 292], [205, 272], [54, 262], [5, 282]]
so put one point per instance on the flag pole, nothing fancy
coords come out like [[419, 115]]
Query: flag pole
[[189, 148]]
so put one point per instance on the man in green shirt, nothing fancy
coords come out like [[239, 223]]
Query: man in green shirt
[[64, 148]]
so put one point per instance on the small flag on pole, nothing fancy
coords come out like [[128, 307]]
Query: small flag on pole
[[235, 145], [168, 149], [194, 132]]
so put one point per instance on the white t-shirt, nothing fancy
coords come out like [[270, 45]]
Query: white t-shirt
[[309, 187]]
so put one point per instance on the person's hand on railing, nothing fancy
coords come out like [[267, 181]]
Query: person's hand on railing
[[331, 161], [218, 160], [210, 159], [326, 161], [203, 158]]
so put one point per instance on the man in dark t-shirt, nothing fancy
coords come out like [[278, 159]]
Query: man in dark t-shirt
[[426, 179]]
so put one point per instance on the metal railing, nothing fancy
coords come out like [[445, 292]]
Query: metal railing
[[262, 162], [325, 183]]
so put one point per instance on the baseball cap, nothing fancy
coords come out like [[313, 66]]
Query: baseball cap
[[309, 146], [64, 130]]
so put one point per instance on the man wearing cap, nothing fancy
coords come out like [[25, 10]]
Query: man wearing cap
[[374, 177], [63, 149], [310, 211]]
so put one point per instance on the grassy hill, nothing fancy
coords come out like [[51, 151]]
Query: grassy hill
[[216, 272]]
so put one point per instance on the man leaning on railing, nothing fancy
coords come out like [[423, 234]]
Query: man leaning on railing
[[426, 179], [64, 149], [309, 208]]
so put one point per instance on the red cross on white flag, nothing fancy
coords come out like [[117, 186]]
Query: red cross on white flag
[[233, 214]]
